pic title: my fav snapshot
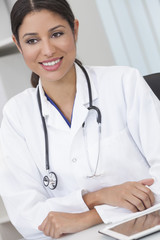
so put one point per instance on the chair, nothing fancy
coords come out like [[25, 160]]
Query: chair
[[153, 81]]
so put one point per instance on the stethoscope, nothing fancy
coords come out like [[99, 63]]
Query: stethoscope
[[50, 179]]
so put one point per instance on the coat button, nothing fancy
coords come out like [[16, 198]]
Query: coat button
[[74, 160]]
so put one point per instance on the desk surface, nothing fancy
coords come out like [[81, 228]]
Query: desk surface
[[93, 234]]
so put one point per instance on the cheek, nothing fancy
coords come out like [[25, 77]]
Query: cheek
[[72, 47], [69, 46], [29, 56]]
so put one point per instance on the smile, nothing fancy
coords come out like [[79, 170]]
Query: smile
[[51, 63]]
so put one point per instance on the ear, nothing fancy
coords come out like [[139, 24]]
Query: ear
[[17, 44], [76, 27]]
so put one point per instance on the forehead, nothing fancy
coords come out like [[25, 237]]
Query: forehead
[[36, 20]]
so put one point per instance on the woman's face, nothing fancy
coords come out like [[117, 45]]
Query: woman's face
[[48, 44]]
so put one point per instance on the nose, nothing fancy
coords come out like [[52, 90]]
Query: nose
[[48, 49]]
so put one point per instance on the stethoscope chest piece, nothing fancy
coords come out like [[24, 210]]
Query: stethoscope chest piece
[[50, 180]]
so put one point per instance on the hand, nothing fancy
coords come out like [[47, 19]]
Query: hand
[[134, 196], [57, 224]]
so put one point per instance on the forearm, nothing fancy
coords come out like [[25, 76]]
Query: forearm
[[134, 196], [92, 199], [90, 218]]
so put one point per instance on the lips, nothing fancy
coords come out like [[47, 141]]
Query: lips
[[52, 64]]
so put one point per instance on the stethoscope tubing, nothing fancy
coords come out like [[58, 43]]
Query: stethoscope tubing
[[99, 117], [45, 132], [47, 180]]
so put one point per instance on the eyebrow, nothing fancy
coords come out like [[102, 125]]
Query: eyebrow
[[50, 30]]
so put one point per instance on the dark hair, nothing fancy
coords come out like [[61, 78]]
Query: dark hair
[[23, 7]]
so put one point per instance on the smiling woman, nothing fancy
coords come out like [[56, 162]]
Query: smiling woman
[[58, 129], [48, 45]]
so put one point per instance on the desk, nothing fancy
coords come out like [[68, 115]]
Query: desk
[[92, 234], [89, 234]]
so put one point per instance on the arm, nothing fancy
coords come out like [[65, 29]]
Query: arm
[[56, 224], [26, 199], [134, 196], [131, 195]]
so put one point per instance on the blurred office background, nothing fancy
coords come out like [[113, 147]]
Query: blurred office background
[[112, 32]]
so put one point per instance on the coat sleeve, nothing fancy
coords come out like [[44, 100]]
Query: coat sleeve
[[26, 200]]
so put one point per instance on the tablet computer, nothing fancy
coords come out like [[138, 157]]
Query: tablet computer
[[136, 228]]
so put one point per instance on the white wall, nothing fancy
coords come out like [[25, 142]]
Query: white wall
[[133, 31], [5, 28], [14, 77], [93, 46]]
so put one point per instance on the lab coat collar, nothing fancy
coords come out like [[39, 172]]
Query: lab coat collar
[[80, 109]]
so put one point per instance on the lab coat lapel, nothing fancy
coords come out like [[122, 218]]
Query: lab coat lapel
[[80, 113]]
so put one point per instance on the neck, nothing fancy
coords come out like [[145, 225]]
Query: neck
[[62, 92]]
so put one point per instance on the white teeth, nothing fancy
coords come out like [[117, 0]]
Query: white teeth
[[51, 63]]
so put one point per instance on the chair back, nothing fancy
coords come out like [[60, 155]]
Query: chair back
[[153, 81]]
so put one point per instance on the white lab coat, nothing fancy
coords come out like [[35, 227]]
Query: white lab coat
[[129, 148]]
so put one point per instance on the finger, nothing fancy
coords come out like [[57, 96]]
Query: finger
[[135, 201], [47, 229], [58, 231], [129, 206], [148, 181], [57, 235], [147, 191], [143, 197], [43, 224], [52, 232]]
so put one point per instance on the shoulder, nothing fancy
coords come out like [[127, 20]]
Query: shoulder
[[120, 81], [112, 71], [119, 76]]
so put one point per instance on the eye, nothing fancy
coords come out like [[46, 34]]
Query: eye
[[57, 34], [32, 41]]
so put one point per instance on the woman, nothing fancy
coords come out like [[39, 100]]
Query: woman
[[90, 170]]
